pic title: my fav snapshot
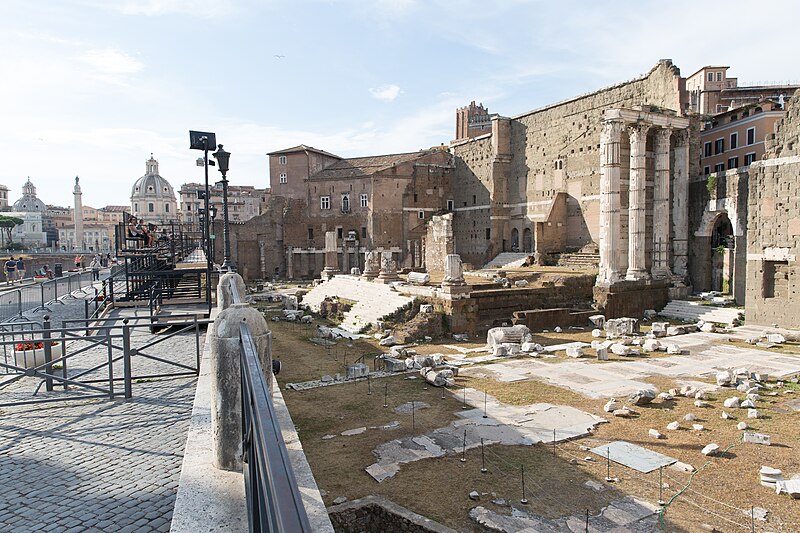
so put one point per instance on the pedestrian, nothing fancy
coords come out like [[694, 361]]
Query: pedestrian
[[95, 266], [20, 269], [78, 260], [11, 268]]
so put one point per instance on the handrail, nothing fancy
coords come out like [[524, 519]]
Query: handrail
[[274, 502]]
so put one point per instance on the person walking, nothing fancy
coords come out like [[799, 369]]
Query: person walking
[[20, 269], [95, 266], [11, 268]]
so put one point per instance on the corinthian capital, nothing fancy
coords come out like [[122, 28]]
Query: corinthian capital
[[638, 133]]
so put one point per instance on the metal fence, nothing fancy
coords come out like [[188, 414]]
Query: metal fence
[[273, 498], [41, 355], [41, 296]]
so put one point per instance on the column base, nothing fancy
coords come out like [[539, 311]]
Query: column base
[[329, 273], [662, 273], [637, 275]]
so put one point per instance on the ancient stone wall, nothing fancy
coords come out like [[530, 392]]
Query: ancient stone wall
[[439, 242], [553, 149], [374, 513], [773, 230]]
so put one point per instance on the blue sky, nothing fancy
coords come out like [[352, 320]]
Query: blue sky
[[92, 87]]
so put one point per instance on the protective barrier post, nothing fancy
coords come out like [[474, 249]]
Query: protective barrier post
[[126, 357], [48, 353]]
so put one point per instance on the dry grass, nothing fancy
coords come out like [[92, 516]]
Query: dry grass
[[438, 488]]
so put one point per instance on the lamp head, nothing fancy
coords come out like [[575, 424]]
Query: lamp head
[[222, 158]]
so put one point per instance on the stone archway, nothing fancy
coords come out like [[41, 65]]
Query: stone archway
[[527, 241], [514, 240], [722, 254]]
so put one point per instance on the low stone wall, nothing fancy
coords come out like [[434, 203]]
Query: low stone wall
[[496, 305], [631, 298], [537, 319], [374, 513]]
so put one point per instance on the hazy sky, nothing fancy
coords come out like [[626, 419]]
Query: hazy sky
[[92, 87]]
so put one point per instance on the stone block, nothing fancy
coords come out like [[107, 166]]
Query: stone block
[[617, 327], [756, 438], [659, 329]]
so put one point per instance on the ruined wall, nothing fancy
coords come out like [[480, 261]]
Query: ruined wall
[[553, 149], [256, 245], [439, 242], [773, 231], [711, 199], [374, 513]]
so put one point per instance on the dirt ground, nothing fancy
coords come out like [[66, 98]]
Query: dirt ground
[[720, 494]]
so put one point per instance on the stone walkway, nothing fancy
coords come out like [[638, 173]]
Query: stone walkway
[[703, 356], [97, 465]]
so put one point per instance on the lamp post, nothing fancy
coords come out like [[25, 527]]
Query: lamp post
[[223, 158], [212, 211], [201, 140]]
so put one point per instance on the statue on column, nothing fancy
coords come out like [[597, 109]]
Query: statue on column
[[371, 265], [453, 285], [388, 272]]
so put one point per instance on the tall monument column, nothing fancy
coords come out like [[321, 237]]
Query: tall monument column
[[636, 203], [610, 138], [661, 241], [680, 205], [78, 217]]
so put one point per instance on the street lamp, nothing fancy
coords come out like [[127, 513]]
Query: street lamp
[[202, 140], [212, 211], [223, 158]]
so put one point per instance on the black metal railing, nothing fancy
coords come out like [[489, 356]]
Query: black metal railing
[[273, 499]]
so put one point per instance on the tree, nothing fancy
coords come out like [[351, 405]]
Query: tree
[[9, 223]]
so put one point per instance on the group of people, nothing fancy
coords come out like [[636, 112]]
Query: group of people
[[15, 270], [148, 234]]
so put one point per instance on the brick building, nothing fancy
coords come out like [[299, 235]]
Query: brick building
[[371, 203]]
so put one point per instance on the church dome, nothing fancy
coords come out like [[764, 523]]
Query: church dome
[[152, 185], [29, 202]]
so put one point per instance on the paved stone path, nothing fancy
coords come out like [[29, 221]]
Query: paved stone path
[[703, 356], [97, 465]]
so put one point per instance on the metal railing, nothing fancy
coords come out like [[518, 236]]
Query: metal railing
[[15, 303], [273, 499], [122, 347]]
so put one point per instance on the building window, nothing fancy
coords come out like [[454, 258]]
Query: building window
[[474, 199], [364, 199], [150, 208], [749, 158], [345, 203], [488, 233], [421, 214], [415, 197], [707, 149], [283, 177], [339, 233], [136, 208], [450, 205], [751, 136], [310, 234], [363, 232], [189, 207], [719, 146], [166, 208], [719, 76], [706, 170], [734, 140], [324, 202], [719, 167], [733, 162], [710, 76], [282, 160]]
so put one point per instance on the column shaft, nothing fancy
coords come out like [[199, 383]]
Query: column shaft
[[610, 139], [680, 206], [661, 268], [636, 203]]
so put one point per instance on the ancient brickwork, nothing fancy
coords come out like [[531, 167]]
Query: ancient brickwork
[[553, 149], [773, 231]]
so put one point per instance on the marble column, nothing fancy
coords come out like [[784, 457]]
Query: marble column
[[636, 203], [610, 139], [661, 268], [680, 205], [331, 256]]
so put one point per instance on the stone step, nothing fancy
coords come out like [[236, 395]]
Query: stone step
[[373, 301], [691, 311], [507, 260]]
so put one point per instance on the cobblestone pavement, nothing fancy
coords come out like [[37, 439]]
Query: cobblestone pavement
[[98, 465]]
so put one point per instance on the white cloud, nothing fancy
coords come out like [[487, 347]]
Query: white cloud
[[151, 8], [385, 93], [111, 65]]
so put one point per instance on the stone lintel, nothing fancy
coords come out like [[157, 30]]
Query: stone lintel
[[655, 119]]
